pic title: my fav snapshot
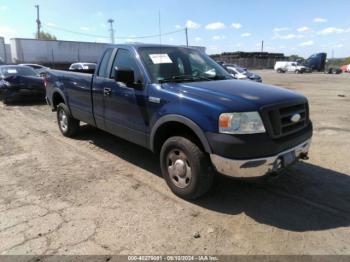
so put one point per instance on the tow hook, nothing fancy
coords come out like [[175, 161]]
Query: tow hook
[[304, 156]]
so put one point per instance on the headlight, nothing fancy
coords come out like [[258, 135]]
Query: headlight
[[241, 123]]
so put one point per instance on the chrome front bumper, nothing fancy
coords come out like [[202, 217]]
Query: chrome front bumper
[[259, 166]]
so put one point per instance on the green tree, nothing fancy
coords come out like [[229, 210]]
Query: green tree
[[45, 36], [347, 61], [295, 58]]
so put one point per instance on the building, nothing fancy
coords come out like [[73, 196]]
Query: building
[[255, 60], [5, 52], [54, 53]]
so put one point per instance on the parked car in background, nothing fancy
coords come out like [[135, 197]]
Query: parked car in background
[[183, 106], [287, 66], [235, 72], [40, 69], [20, 82], [344, 68], [241, 73], [334, 70], [83, 67]]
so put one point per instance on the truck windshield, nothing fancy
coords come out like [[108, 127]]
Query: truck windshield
[[178, 64]]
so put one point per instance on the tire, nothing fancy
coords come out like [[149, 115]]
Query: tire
[[297, 71], [68, 126], [185, 168]]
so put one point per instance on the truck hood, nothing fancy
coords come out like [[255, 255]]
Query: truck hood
[[235, 94]]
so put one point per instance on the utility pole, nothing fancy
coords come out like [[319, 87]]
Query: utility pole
[[38, 23], [262, 46], [111, 21], [186, 32]]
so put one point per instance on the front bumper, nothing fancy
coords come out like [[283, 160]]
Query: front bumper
[[257, 167]]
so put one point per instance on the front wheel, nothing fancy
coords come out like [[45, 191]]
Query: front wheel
[[67, 124], [185, 168]]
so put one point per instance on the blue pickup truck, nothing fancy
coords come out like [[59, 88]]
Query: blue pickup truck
[[182, 105]]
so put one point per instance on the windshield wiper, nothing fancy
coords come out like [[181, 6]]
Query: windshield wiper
[[184, 78]]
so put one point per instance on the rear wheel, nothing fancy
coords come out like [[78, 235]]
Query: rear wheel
[[67, 124], [185, 168]]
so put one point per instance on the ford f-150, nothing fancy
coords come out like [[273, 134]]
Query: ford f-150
[[182, 105]]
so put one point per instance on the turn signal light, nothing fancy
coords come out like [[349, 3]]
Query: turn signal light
[[224, 121]]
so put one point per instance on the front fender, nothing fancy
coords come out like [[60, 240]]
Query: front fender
[[182, 120]]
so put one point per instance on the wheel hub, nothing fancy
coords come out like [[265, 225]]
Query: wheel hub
[[62, 118], [179, 169]]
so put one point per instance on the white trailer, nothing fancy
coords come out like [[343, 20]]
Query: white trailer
[[55, 52]]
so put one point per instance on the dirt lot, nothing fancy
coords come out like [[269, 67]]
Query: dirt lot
[[97, 194]]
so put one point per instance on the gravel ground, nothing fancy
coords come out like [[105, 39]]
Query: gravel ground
[[97, 194]]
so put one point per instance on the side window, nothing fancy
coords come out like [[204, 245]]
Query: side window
[[124, 59], [103, 70]]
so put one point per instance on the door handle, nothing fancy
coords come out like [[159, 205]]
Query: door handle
[[107, 91]]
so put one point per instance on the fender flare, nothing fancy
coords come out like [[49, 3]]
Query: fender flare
[[182, 120], [60, 92]]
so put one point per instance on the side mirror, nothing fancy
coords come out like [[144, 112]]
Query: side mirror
[[124, 75]]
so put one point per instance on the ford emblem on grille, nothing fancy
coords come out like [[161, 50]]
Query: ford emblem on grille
[[295, 118]]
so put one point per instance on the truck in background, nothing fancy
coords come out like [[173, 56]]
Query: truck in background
[[286, 66], [316, 62]]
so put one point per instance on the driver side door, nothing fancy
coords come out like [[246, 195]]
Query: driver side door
[[125, 108]]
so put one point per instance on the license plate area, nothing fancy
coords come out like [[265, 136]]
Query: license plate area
[[288, 158]]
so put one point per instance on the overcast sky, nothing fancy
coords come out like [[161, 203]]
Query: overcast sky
[[292, 27]]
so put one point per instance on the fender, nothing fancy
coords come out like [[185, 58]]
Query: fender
[[182, 120], [59, 91]]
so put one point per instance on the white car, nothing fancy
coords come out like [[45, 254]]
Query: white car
[[286, 66], [237, 73]]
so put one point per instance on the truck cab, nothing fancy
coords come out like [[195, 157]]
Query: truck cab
[[183, 106]]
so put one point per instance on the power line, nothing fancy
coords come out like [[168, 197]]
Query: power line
[[119, 37]]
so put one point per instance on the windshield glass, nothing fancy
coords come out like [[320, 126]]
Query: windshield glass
[[18, 70], [180, 64]]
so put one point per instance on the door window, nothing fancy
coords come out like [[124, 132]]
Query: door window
[[103, 70], [125, 60]]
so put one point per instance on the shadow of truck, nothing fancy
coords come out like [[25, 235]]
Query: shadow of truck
[[305, 198]]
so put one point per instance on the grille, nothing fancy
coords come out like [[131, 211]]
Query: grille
[[278, 120]]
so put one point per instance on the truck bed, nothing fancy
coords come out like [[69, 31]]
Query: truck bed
[[77, 90]]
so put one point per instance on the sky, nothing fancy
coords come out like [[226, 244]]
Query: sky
[[289, 27]]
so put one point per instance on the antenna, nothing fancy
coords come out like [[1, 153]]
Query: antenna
[[262, 46], [38, 23], [111, 21]]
